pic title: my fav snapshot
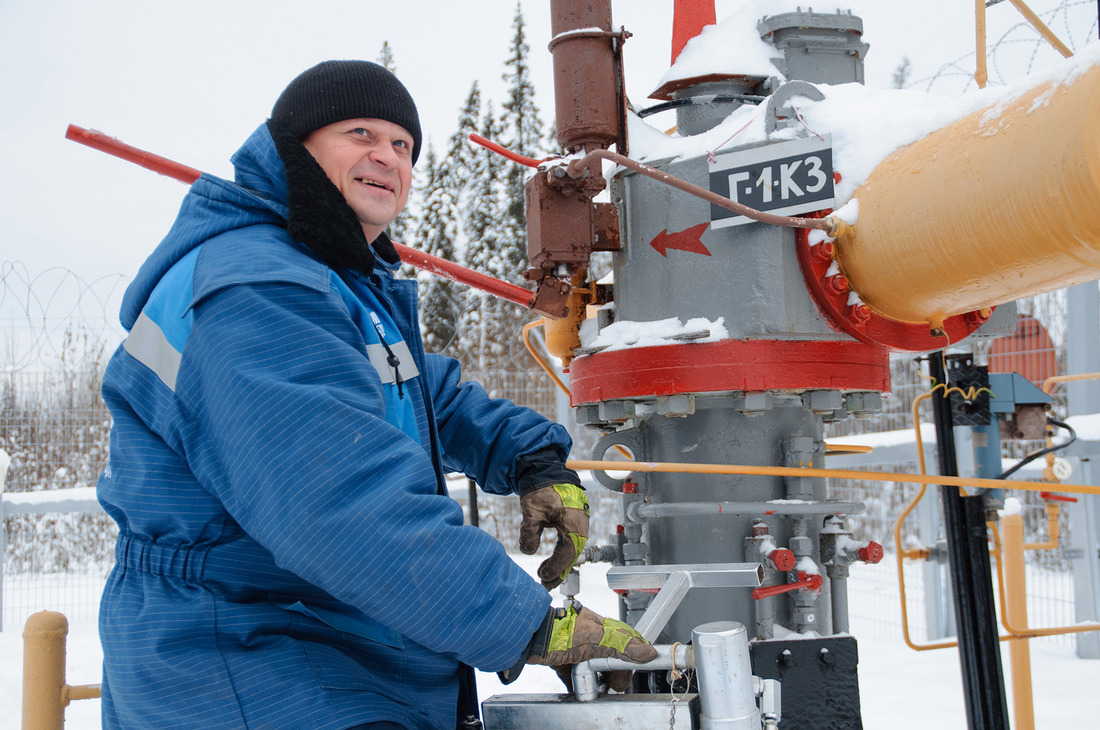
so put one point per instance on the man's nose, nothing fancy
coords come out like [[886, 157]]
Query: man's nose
[[384, 153]]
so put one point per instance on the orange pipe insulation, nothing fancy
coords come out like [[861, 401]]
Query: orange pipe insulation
[[994, 207]]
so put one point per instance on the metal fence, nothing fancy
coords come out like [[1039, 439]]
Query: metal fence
[[53, 426]]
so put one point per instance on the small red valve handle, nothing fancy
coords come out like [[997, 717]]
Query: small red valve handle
[[871, 552], [782, 558], [1052, 497], [812, 582]]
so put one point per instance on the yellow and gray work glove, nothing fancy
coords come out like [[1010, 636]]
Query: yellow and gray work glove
[[563, 507], [574, 634]]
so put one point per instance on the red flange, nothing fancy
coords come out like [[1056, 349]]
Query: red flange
[[728, 366], [831, 293]]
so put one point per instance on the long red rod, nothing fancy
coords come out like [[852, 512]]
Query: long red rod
[[419, 259], [110, 145]]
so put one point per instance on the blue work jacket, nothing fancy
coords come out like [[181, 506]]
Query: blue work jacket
[[287, 556]]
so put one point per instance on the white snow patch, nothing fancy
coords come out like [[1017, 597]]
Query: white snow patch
[[733, 46], [867, 124], [1087, 427], [807, 565], [623, 334]]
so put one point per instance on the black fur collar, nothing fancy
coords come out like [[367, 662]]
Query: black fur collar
[[318, 215]]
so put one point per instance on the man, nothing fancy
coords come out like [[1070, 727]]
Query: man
[[287, 554]]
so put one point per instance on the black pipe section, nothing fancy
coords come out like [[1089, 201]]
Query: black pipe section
[[471, 485], [971, 577]]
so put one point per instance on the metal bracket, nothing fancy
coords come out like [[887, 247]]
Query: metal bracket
[[673, 583], [776, 109]]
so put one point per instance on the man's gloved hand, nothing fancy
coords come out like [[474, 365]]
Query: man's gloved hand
[[564, 507], [575, 634]]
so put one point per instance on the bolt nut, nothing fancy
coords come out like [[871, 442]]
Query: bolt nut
[[859, 313], [823, 252], [837, 284]]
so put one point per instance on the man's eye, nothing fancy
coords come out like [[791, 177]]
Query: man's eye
[[401, 143], [360, 131]]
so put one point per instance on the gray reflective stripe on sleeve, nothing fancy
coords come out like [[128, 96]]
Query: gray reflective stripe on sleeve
[[148, 345], [377, 354]]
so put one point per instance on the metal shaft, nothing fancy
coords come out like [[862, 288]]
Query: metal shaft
[[726, 694], [972, 588]]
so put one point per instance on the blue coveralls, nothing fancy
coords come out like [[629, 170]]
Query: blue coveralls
[[286, 557]]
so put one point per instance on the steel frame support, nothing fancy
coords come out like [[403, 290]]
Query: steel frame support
[[1083, 397], [972, 585]]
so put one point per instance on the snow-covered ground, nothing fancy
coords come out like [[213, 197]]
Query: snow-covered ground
[[900, 689]]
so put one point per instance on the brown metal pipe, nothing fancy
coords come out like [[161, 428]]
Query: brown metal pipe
[[829, 225], [586, 88]]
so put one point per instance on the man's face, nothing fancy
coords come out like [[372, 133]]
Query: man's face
[[370, 162]]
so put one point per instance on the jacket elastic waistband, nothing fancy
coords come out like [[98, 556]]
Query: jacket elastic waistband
[[175, 561]]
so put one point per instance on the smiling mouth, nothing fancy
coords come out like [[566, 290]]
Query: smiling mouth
[[375, 184]]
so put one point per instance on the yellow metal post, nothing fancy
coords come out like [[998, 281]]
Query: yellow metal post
[[44, 671], [1015, 608], [981, 75]]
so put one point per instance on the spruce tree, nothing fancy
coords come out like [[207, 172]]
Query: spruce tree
[[503, 251], [401, 227], [439, 302], [522, 125]]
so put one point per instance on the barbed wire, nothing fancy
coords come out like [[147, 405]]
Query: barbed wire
[[1020, 49], [50, 319]]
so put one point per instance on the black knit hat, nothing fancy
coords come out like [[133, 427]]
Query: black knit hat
[[333, 91]]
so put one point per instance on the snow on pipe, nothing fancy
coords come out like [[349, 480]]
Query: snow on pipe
[[419, 259], [997, 206]]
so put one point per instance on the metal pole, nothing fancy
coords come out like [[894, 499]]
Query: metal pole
[[5, 462], [972, 587], [474, 517], [44, 671], [727, 700], [1083, 397], [1019, 652]]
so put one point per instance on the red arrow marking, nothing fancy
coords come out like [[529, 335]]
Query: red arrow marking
[[688, 240]]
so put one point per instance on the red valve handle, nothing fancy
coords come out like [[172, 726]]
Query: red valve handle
[[1050, 496], [871, 552], [782, 558], [806, 582]]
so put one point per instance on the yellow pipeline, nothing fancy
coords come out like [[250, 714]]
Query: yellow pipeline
[[994, 207]]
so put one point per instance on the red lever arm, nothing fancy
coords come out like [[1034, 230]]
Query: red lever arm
[[419, 259], [811, 582]]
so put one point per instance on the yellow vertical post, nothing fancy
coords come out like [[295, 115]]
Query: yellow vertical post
[[44, 671], [1015, 608], [981, 75]]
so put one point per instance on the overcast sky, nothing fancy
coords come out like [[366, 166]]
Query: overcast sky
[[191, 80]]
